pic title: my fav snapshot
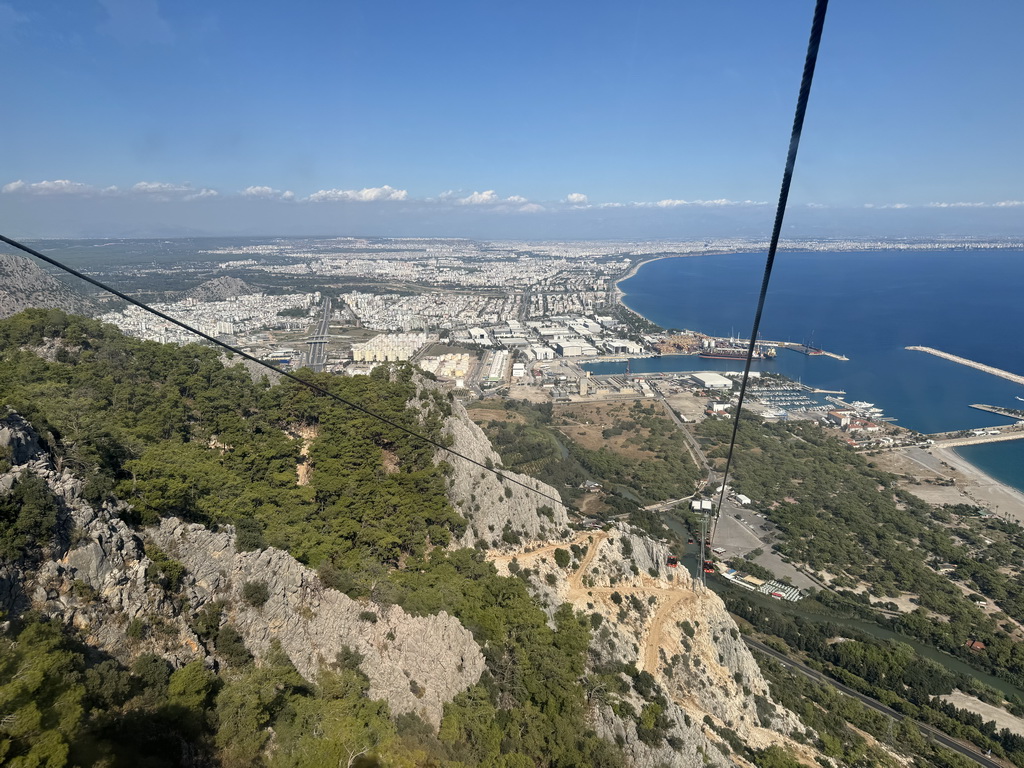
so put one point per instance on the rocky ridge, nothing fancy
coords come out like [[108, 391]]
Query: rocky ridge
[[24, 285], [656, 619], [95, 578], [490, 506]]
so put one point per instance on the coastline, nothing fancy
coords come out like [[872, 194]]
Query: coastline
[[974, 485], [983, 489], [618, 294]]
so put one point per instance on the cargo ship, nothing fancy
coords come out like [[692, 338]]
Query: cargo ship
[[733, 349]]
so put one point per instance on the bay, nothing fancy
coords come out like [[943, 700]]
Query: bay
[[868, 306]]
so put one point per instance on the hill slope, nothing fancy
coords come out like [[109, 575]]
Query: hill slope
[[23, 285]]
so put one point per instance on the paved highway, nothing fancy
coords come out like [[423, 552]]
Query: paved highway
[[962, 748], [318, 341]]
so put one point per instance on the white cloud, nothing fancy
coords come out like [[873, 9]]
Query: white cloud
[[576, 198], [701, 203], [489, 197], [165, 192], [531, 208], [159, 187], [368, 194], [268, 193], [55, 187], [1001, 204]]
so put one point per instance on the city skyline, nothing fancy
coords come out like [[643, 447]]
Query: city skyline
[[585, 120]]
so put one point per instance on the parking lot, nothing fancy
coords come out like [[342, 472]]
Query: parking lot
[[741, 530]]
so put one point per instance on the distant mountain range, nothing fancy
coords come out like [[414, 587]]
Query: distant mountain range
[[23, 285]]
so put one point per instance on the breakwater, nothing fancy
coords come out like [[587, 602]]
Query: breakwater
[[971, 363]]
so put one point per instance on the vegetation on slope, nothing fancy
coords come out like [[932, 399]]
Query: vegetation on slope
[[840, 516], [174, 432], [642, 459]]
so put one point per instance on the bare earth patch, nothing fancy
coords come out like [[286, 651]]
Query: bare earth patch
[[1003, 719]]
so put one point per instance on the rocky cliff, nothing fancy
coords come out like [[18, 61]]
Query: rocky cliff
[[657, 620], [499, 513], [98, 577], [23, 285]]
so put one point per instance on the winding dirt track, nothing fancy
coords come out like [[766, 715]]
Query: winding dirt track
[[656, 635], [669, 600]]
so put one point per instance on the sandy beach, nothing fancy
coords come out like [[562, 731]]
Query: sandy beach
[[983, 489], [972, 486]]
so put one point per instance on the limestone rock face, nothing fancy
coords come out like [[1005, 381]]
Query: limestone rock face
[[489, 505], [95, 579], [660, 621], [416, 664], [24, 285], [18, 440]]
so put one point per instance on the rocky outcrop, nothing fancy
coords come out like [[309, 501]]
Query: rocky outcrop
[[219, 289], [415, 663], [492, 506], [19, 443], [658, 620], [24, 285], [99, 579]]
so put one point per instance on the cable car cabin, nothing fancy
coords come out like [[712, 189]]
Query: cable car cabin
[[709, 566], [672, 561]]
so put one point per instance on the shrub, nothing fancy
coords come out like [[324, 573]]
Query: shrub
[[255, 593], [562, 558]]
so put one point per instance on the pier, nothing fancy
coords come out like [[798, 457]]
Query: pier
[[971, 364], [956, 442], [1010, 413], [804, 349]]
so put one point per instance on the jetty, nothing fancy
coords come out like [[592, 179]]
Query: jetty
[[991, 436], [1010, 413], [804, 349], [971, 364]]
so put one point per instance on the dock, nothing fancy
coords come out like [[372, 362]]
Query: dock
[[971, 364], [956, 442], [1010, 413], [804, 349]]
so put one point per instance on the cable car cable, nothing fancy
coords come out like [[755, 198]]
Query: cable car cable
[[817, 24], [318, 389]]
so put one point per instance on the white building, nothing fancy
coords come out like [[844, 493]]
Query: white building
[[710, 380]]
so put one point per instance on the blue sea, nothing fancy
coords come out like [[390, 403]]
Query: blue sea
[[867, 306]]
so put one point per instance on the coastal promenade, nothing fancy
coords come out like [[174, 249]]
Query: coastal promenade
[[971, 364]]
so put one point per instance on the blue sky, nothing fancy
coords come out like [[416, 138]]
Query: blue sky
[[528, 119]]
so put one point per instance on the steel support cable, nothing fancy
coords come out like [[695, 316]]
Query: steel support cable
[[817, 24], [234, 350]]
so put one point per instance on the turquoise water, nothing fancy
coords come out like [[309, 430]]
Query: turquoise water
[[868, 306]]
